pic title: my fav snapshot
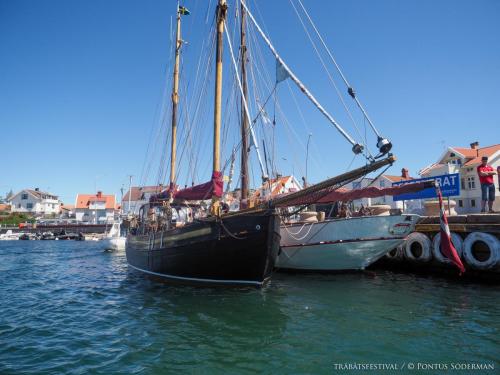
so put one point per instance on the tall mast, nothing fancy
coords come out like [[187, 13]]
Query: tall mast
[[244, 117], [175, 101], [221, 16]]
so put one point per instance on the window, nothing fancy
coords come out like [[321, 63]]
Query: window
[[460, 203], [382, 183], [459, 161], [462, 183], [356, 184], [473, 203], [29, 206], [471, 182], [24, 196]]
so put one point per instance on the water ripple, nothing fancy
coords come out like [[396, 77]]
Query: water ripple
[[69, 307]]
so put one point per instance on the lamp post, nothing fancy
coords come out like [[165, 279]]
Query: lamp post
[[307, 156]]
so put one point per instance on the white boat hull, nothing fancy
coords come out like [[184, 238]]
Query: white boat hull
[[9, 236], [114, 243], [342, 244]]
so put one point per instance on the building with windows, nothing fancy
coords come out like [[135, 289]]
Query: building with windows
[[465, 161], [95, 208], [35, 202], [381, 181], [137, 196]]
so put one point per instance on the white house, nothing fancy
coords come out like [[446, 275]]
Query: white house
[[382, 181], [95, 208], [35, 202], [138, 196], [465, 161]]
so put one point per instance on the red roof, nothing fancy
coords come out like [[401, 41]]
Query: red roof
[[396, 178], [83, 200], [276, 185], [484, 151], [467, 152]]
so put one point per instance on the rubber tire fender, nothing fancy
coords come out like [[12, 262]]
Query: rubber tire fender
[[491, 241], [457, 242], [424, 242]]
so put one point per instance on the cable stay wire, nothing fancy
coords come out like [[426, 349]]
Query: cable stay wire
[[339, 94], [350, 90], [357, 148]]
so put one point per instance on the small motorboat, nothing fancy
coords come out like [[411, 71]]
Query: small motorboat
[[9, 236], [113, 239]]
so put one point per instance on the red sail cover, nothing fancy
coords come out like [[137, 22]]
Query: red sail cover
[[447, 247], [344, 195], [203, 191]]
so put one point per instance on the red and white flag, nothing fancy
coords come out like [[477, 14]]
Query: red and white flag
[[447, 247]]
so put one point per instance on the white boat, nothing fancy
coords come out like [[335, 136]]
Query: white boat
[[113, 240], [341, 244], [9, 236]]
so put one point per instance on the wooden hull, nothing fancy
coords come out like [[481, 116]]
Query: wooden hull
[[240, 249]]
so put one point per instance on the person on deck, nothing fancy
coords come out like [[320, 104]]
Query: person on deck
[[486, 173], [344, 211]]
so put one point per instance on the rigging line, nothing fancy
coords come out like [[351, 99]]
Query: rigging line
[[158, 117], [350, 164], [287, 125], [157, 145], [357, 148], [250, 125], [380, 174], [262, 106], [301, 114], [200, 103], [350, 89], [208, 11], [162, 128], [330, 76]]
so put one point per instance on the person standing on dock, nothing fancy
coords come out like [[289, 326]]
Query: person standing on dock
[[498, 174], [486, 173]]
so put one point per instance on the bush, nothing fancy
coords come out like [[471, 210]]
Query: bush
[[16, 218]]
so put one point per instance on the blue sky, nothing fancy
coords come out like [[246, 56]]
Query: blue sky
[[82, 85]]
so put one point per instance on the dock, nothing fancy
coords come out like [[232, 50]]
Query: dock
[[476, 238]]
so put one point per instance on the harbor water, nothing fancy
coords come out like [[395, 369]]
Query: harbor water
[[70, 307]]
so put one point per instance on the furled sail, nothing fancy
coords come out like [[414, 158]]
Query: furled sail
[[344, 195], [207, 190], [214, 187]]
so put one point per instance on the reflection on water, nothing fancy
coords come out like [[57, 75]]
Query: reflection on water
[[74, 308]]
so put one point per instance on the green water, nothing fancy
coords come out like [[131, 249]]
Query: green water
[[69, 307]]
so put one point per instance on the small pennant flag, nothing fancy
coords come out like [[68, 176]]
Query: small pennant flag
[[184, 11], [281, 72], [447, 247]]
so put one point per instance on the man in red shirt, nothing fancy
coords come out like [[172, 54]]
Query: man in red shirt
[[486, 173]]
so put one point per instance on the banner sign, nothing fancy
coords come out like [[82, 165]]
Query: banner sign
[[449, 184]]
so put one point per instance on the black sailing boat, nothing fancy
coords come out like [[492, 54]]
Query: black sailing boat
[[237, 248]]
